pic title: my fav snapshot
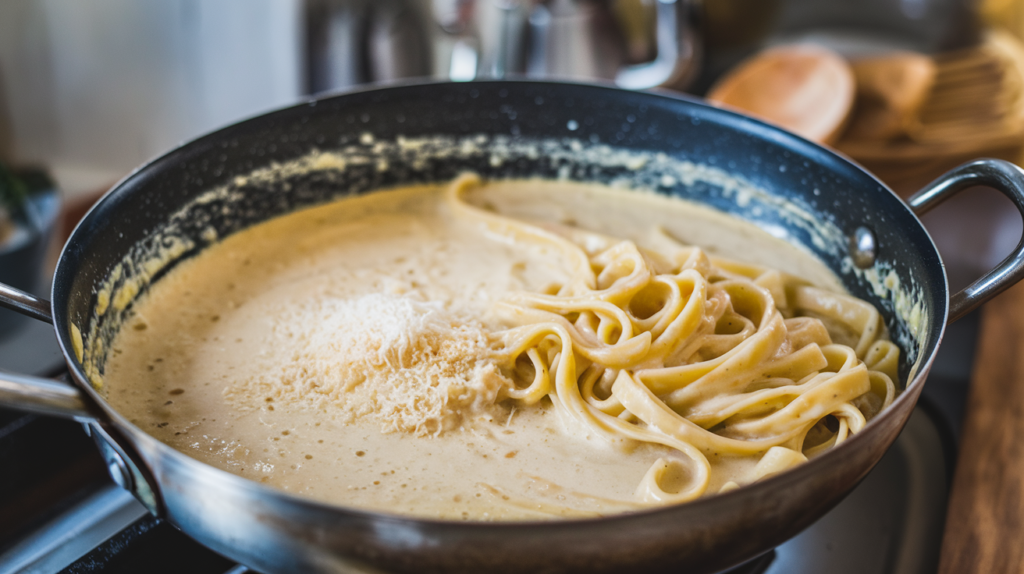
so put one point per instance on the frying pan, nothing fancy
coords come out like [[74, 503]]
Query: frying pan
[[430, 133]]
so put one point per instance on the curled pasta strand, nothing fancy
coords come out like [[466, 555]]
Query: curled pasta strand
[[622, 354], [823, 397], [884, 356], [682, 256], [610, 405], [504, 226], [852, 418], [859, 315], [606, 312], [641, 402], [623, 273], [539, 387], [726, 374], [682, 322], [659, 303]]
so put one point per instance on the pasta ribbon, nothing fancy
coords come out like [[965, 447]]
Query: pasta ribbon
[[709, 357]]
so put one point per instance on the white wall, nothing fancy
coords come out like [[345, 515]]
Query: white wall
[[93, 88]]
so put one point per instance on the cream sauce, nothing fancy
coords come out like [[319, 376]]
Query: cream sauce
[[182, 368]]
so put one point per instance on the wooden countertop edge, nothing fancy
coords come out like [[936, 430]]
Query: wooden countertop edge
[[984, 530]]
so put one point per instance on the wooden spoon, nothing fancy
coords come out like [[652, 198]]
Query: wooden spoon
[[803, 88]]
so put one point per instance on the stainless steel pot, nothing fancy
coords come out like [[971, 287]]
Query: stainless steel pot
[[676, 146]]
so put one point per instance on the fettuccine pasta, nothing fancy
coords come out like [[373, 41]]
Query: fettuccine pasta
[[706, 356]]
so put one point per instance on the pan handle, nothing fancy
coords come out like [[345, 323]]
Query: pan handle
[[1002, 176], [26, 304], [53, 398], [56, 399], [33, 394], [675, 64], [45, 397]]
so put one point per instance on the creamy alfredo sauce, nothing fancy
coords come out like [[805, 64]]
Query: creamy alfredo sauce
[[200, 365]]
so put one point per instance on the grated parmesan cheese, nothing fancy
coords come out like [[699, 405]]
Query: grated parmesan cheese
[[412, 365]]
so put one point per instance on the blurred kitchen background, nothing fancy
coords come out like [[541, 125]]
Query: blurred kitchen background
[[90, 89]]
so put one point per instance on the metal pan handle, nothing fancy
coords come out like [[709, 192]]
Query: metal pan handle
[[44, 397], [53, 398], [1002, 176], [33, 394], [676, 63], [25, 303]]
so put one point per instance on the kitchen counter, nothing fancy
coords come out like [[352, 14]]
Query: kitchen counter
[[985, 523]]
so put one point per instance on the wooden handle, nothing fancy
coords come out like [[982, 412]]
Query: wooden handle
[[985, 525]]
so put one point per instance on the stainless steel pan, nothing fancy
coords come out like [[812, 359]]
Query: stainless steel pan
[[677, 146]]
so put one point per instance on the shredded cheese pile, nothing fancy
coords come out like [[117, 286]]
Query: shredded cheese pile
[[411, 365]]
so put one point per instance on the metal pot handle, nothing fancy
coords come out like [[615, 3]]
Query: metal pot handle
[[44, 397], [1002, 176], [676, 62], [53, 398], [25, 303], [33, 394]]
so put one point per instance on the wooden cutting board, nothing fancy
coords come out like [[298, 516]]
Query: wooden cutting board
[[985, 525]]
